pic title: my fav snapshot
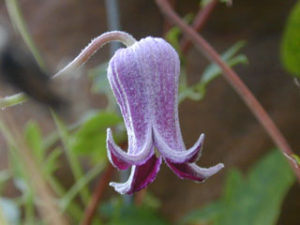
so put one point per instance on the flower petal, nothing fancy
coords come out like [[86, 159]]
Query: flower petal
[[165, 94], [127, 78], [140, 176], [121, 159], [192, 171], [178, 155]]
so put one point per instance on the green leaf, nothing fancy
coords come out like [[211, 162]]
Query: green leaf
[[257, 199], [290, 46], [173, 35], [254, 200], [206, 215], [51, 163], [90, 139], [121, 214], [296, 158], [34, 139], [212, 71]]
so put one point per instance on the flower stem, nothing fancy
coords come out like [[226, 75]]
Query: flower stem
[[235, 82], [94, 46], [81, 59]]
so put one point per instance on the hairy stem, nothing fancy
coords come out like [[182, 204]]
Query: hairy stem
[[237, 84], [80, 60]]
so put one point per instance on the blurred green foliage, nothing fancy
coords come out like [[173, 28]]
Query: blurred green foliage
[[117, 213], [290, 47], [212, 71], [90, 138], [254, 200]]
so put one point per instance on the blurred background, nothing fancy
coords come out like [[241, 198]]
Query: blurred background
[[61, 28]]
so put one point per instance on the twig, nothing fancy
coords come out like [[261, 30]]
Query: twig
[[97, 196], [167, 25], [235, 82], [199, 22]]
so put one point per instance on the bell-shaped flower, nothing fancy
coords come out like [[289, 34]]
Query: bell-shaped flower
[[144, 79]]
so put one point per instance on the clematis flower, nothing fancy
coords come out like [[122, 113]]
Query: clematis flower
[[144, 80]]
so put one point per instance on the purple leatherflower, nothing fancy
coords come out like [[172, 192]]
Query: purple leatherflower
[[144, 80]]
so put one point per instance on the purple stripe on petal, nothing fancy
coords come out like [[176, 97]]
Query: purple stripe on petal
[[140, 176], [192, 171], [178, 155]]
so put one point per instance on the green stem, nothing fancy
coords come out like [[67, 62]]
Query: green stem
[[12, 100], [29, 208], [71, 194], [73, 161]]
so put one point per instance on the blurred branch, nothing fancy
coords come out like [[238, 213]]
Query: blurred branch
[[167, 25], [199, 22], [236, 83], [97, 196]]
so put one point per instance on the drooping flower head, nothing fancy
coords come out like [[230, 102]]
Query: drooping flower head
[[144, 80]]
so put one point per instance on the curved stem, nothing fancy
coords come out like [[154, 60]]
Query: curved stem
[[81, 59], [94, 46], [235, 82]]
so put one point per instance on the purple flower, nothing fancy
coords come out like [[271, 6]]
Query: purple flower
[[144, 79]]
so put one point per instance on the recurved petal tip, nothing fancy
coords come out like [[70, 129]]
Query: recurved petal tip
[[179, 155], [192, 171], [140, 176], [121, 159]]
